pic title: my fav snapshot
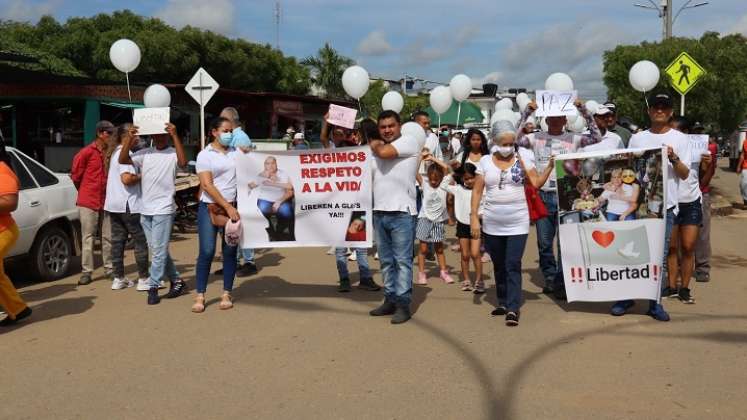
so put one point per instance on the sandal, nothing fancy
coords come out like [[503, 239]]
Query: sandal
[[226, 302], [199, 305]]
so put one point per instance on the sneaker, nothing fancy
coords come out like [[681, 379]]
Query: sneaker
[[143, 285], [85, 279], [499, 311], [422, 279], [8, 321], [353, 256], [162, 285], [369, 285], [466, 286], [485, 257], [401, 314], [621, 307], [153, 298], [446, 277], [657, 312], [178, 288], [344, 286], [702, 277], [386, 308], [247, 269], [512, 319], [119, 284], [685, 296], [376, 256], [479, 287], [669, 293]]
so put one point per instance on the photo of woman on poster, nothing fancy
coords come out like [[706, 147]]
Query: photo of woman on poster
[[275, 201], [356, 231], [621, 193]]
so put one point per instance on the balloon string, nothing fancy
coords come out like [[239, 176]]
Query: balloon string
[[645, 98], [129, 94], [459, 112]]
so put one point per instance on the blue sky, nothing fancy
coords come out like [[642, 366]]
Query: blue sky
[[513, 43]]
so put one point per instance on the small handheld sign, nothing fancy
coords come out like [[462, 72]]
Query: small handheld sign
[[555, 103]]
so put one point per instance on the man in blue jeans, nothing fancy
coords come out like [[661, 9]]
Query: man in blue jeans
[[395, 209], [157, 166]]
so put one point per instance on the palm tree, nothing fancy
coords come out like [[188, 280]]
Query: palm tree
[[326, 70]]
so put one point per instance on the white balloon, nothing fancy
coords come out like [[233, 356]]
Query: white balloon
[[461, 87], [572, 117], [591, 106], [124, 55], [543, 125], [392, 101], [644, 76], [559, 81], [578, 126], [413, 129], [355, 81], [156, 96], [504, 103], [502, 115], [522, 100], [440, 99]]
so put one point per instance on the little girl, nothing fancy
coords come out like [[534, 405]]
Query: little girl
[[432, 217], [470, 247]]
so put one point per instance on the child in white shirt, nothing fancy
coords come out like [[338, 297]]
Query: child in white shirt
[[432, 217]]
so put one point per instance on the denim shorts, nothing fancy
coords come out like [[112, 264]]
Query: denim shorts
[[690, 214]]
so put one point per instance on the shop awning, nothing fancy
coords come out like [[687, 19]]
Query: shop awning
[[125, 105], [470, 113]]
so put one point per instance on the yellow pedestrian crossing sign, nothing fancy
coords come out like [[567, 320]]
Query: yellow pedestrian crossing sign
[[684, 72]]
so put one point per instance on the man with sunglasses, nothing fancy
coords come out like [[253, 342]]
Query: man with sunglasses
[[612, 125], [89, 174]]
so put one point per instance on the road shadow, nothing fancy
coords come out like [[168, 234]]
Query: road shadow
[[53, 309], [52, 291], [728, 261]]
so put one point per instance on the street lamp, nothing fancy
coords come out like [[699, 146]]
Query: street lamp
[[664, 11]]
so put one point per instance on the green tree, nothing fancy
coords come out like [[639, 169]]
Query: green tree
[[326, 70], [720, 97]]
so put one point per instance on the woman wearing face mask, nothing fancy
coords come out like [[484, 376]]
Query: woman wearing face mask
[[505, 220], [216, 168]]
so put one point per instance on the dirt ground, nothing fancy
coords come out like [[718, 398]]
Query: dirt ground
[[295, 348]]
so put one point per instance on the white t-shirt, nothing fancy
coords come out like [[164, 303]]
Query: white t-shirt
[[610, 141], [681, 145], [434, 201], [431, 143], [394, 179], [272, 193], [615, 205], [506, 211], [118, 195], [158, 172], [462, 200], [223, 168], [456, 145]]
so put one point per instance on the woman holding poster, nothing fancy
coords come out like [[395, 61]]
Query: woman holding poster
[[505, 221], [275, 200]]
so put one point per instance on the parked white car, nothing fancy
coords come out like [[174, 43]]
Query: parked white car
[[47, 218]]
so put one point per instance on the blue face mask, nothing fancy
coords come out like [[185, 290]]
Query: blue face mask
[[226, 139]]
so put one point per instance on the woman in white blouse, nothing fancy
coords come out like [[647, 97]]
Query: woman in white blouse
[[505, 218]]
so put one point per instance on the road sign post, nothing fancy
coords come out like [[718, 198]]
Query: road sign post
[[201, 88], [684, 72]]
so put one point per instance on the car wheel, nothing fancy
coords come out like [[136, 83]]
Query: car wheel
[[51, 254]]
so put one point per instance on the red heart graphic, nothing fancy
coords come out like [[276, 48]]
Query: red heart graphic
[[604, 239]]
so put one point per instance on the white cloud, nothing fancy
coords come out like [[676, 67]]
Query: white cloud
[[436, 48], [492, 77], [213, 15], [741, 26], [28, 11], [374, 43]]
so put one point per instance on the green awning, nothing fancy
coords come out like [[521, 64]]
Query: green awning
[[470, 113], [125, 105]]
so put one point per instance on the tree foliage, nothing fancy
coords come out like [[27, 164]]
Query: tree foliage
[[326, 71], [80, 46], [720, 97]]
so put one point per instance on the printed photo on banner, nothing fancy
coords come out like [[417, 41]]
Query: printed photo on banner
[[611, 224], [305, 198], [597, 186]]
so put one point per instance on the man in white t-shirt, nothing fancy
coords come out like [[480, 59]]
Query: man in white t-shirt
[[610, 140], [395, 209], [157, 166], [678, 169]]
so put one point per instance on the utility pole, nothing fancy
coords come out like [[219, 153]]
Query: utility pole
[[664, 9], [277, 25]]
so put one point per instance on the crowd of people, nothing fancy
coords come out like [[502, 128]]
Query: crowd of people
[[491, 187]]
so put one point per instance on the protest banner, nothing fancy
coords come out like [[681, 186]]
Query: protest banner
[[341, 116], [611, 212], [305, 198], [151, 120], [552, 103], [698, 147]]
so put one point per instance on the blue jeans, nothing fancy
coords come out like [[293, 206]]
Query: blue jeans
[[394, 231], [207, 233], [248, 254], [612, 217], [342, 262], [547, 227], [157, 229], [506, 253]]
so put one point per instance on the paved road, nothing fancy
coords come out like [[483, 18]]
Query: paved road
[[294, 348]]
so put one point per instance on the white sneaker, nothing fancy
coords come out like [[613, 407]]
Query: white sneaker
[[162, 285], [143, 285], [331, 251], [353, 256], [118, 284], [376, 256]]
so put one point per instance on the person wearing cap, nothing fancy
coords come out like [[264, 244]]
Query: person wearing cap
[[89, 174], [216, 168], [610, 140], [545, 144], [678, 169], [299, 143], [613, 126]]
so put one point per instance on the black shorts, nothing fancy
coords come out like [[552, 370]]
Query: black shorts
[[690, 214], [463, 231]]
